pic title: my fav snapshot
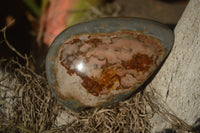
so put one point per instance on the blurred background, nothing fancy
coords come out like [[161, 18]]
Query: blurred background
[[37, 22]]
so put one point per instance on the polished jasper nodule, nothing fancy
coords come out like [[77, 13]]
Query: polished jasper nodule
[[91, 68]]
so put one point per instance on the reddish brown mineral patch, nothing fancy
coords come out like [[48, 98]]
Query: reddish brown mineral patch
[[73, 41], [103, 84], [108, 78], [140, 62], [92, 86]]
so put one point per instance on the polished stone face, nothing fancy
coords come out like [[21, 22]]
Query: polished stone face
[[91, 68]]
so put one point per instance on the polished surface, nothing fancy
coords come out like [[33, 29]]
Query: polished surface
[[96, 68], [106, 63]]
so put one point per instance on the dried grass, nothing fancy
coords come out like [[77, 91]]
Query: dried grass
[[33, 109]]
